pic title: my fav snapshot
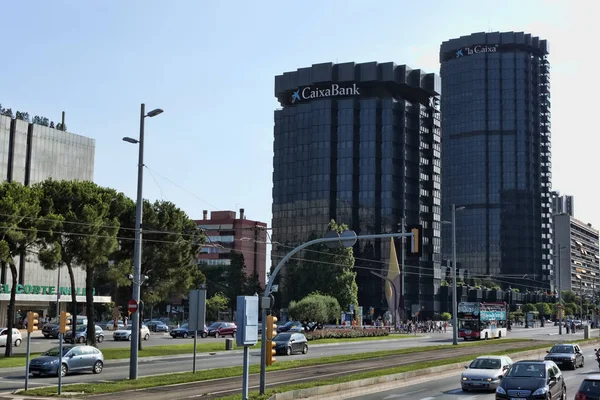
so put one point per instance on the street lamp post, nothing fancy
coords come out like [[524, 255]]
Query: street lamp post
[[137, 250], [454, 275]]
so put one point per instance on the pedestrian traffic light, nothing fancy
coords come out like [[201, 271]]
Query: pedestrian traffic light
[[65, 322], [32, 321], [270, 345], [415, 244]]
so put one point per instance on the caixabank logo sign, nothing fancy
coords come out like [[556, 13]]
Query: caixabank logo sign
[[480, 48], [331, 90]]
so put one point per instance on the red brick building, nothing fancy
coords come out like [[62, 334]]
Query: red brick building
[[226, 233]]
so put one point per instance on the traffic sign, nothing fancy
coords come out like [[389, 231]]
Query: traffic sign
[[559, 306], [132, 306]]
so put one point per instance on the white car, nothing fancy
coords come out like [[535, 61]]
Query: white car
[[125, 333], [485, 373], [16, 337]]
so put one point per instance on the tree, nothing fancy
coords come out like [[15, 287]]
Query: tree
[[544, 309], [19, 224], [215, 304], [525, 308], [315, 308], [569, 296], [85, 237], [253, 284], [446, 316], [328, 271], [235, 278], [22, 116]]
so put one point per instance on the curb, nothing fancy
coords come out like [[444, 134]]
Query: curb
[[386, 382]]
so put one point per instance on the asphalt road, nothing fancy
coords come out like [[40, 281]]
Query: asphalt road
[[12, 379], [448, 388]]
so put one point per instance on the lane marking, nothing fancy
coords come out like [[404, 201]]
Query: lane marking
[[398, 396]]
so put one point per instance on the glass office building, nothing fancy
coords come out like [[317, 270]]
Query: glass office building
[[496, 154], [360, 143]]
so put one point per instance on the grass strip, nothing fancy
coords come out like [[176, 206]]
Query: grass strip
[[18, 360], [187, 377]]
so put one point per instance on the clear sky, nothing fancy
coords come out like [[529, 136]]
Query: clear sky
[[211, 65]]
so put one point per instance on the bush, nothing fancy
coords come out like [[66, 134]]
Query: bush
[[344, 333], [446, 316]]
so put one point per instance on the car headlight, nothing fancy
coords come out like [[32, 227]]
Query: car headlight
[[464, 378], [489, 379], [540, 391], [48, 363], [500, 390]]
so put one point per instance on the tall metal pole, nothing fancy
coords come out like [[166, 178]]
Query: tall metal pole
[[58, 294], [402, 292], [137, 253], [454, 303], [245, 372], [581, 299], [560, 311]]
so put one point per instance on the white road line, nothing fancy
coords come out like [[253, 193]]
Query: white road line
[[399, 396], [428, 398]]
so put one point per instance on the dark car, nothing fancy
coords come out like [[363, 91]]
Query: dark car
[[290, 343], [293, 326], [157, 326], [50, 330], [81, 335], [74, 358], [533, 379], [589, 388], [566, 355], [218, 329], [184, 331]]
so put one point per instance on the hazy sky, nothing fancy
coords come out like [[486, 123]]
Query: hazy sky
[[211, 65]]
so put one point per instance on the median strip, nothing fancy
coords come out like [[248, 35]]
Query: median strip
[[210, 374]]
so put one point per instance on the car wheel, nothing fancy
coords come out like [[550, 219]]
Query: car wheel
[[17, 342], [564, 394], [129, 337], [582, 362], [217, 335], [289, 351], [98, 366], [81, 340], [46, 336], [574, 365], [305, 349], [100, 339], [204, 335], [185, 335], [486, 336], [63, 370], [147, 336]]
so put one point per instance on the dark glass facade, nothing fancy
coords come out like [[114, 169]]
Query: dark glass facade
[[496, 154], [361, 143]]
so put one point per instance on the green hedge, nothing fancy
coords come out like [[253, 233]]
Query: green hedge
[[344, 333]]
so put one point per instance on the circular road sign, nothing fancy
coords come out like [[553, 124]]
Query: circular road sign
[[334, 243], [132, 306], [348, 238]]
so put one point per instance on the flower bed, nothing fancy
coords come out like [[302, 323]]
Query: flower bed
[[344, 333]]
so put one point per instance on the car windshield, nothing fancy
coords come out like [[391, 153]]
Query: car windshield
[[485, 363], [562, 349], [81, 328], [590, 388], [54, 352], [282, 337], [215, 325], [127, 328], [527, 371], [184, 326]]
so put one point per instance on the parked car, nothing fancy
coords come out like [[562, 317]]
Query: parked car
[[566, 355], [125, 333], [589, 388], [16, 337], [218, 329], [532, 379], [157, 326], [74, 359], [81, 335], [289, 343], [485, 373], [50, 330], [184, 331]]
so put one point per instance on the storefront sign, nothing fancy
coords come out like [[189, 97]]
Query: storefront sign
[[36, 289]]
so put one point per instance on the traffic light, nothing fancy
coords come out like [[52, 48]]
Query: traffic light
[[415, 244], [32, 321], [271, 330], [65, 322]]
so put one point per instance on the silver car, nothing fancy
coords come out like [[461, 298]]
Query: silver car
[[74, 359], [485, 373]]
